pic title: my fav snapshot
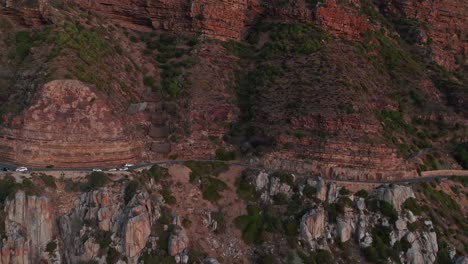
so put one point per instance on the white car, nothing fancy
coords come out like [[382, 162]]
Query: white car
[[129, 165], [97, 170], [123, 169], [113, 169], [21, 169]]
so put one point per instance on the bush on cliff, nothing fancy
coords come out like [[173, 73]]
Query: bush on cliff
[[130, 190], [461, 154], [157, 173], [95, 180]]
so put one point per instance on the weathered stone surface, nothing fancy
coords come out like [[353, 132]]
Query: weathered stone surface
[[313, 225], [262, 180], [178, 241], [396, 195], [332, 192], [423, 248], [29, 226], [341, 21], [447, 20], [66, 125], [321, 188]]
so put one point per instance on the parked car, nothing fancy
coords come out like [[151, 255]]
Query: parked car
[[97, 170], [21, 169], [123, 168], [128, 165], [5, 169]]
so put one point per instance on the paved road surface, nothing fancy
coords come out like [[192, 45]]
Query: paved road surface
[[172, 162]]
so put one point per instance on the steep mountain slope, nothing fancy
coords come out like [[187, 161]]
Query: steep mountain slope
[[350, 89], [207, 212]]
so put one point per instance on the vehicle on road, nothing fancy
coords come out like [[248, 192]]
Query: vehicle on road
[[123, 169], [128, 165], [5, 169], [21, 169], [97, 170]]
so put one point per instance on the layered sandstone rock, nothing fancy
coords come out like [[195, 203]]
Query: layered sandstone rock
[[137, 227], [66, 125], [341, 21], [29, 227], [443, 22], [224, 19]]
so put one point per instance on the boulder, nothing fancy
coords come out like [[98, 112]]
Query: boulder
[[332, 193], [344, 230], [178, 241], [312, 225], [321, 189], [394, 194], [424, 246], [261, 181]]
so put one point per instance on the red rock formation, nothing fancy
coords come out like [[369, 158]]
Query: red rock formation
[[341, 21], [444, 22], [221, 19], [66, 125]]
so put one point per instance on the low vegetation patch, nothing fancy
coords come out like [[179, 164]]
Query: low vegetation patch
[[94, 181], [461, 154]]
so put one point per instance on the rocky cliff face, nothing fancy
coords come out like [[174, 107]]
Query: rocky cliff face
[[71, 126], [121, 222], [29, 226], [159, 95], [441, 25]]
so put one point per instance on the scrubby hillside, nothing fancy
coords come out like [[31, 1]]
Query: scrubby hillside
[[351, 89], [208, 212]]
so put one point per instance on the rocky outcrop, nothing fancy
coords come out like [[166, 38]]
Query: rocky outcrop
[[312, 226], [223, 20], [345, 225], [442, 24], [101, 210], [137, 227], [67, 125], [424, 246], [29, 227], [341, 21], [396, 195]]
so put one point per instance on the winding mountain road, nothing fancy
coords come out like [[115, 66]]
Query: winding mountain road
[[434, 175]]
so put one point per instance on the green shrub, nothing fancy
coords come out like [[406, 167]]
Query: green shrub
[[345, 191], [168, 197], [103, 238], [186, 223], [24, 42], [280, 199], [245, 188], [112, 255], [412, 205], [149, 81], [48, 180], [130, 190], [223, 154], [157, 173], [95, 180], [50, 247], [309, 191], [385, 208], [362, 193], [284, 177], [254, 224], [461, 154], [200, 169]]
